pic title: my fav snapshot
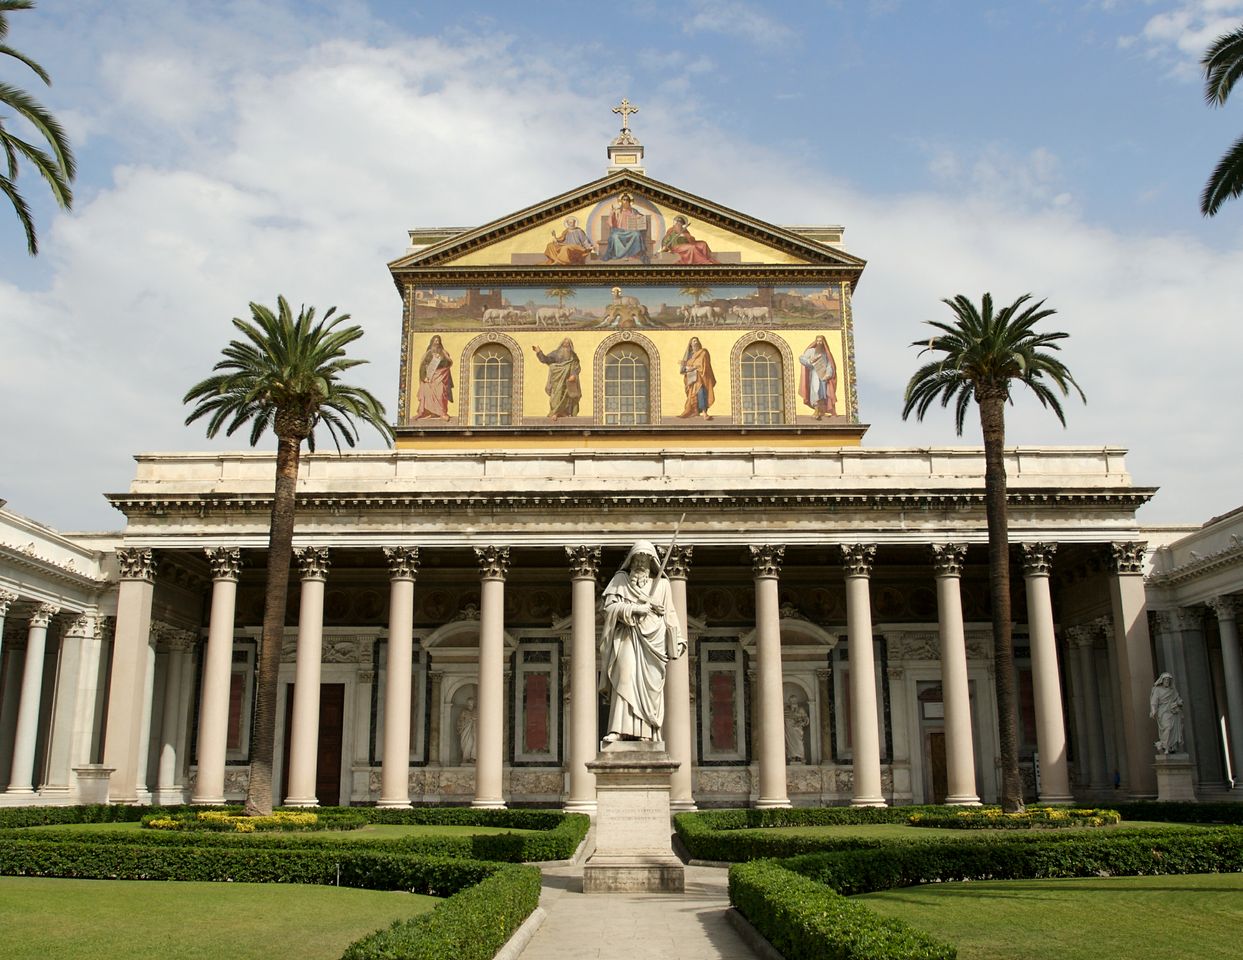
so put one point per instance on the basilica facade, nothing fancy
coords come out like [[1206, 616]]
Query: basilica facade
[[624, 361]]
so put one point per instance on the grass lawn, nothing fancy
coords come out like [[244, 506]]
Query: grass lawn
[[1139, 918], [41, 918], [903, 831], [384, 831]]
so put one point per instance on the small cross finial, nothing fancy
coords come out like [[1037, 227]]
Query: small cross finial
[[625, 109]]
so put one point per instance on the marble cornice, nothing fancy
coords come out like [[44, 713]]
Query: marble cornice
[[504, 501], [27, 558], [1230, 556]]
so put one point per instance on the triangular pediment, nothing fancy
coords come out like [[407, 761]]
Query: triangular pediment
[[625, 220]]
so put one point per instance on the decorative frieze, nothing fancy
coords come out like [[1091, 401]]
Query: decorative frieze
[[766, 559], [678, 566], [225, 562], [948, 558], [584, 562], [136, 565], [493, 562], [403, 562], [313, 562], [1127, 557], [857, 559], [1038, 559]]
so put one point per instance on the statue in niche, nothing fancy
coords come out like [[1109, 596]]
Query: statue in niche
[[466, 730], [696, 370], [1166, 707], [796, 721], [818, 384], [563, 388], [435, 382], [641, 635]]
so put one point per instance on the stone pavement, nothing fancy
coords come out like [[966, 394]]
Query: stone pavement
[[635, 926]]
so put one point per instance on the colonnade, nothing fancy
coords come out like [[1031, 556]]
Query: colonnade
[[131, 717]]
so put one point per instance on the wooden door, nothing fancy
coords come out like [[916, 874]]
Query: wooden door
[[935, 747], [331, 730]]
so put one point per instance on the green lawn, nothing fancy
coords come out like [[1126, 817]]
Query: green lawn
[[903, 831], [389, 831], [1137, 918], [44, 918]]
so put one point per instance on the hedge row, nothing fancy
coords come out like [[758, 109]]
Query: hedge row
[[1131, 853], [1169, 812], [486, 902], [558, 837], [1033, 818], [805, 920]]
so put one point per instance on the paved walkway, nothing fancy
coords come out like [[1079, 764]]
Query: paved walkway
[[635, 926]]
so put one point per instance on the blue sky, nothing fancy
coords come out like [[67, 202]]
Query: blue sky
[[233, 151]]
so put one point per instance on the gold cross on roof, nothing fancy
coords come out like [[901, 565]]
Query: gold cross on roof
[[625, 109]]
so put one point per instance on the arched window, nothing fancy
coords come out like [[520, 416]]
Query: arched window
[[760, 376], [625, 385], [492, 383]]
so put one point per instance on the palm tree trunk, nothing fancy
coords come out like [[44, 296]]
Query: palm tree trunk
[[993, 425], [280, 554]]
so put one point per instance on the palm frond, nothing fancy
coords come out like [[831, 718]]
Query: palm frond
[[1223, 65], [1225, 182]]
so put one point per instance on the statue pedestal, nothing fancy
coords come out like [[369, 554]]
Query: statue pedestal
[[633, 849], [1174, 781]]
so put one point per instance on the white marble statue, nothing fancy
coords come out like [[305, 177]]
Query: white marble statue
[[796, 721], [641, 635], [1166, 707], [466, 730]]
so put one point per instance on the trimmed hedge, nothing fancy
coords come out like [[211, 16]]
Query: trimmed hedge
[[805, 920], [1033, 818], [1169, 812], [281, 821], [1026, 857], [559, 836]]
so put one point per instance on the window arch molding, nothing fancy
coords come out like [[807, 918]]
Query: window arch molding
[[787, 373], [634, 339], [466, 375]]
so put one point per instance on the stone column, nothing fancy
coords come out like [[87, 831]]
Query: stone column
[[947, 562], [1135, 674], [180, 643], [435, 706], [148, 706], [61, 733], [226, 565], [21, 779], [490, 715], [403, 563], [304, 735], [865, 730], [7, 599], [766, 565], [1082, 641], [678, 725], [131, 649], [1227, 611], [584, 738], [1046, 682]]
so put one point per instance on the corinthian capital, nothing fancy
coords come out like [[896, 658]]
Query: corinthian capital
[[679, 565], [1127, 556], [43, 614], [766, 559], [1038, 559], [948, 559], [584, 562], [136, 564], [493, 562], [1225, 607], [857, 558], [403, 562], [225, 562], [313, 562], [7, 599]]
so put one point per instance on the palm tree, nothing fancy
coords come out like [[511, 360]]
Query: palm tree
[[284, 376], [696, 293], [562, 294], [982, 354], [1223, 65], [58, 167]]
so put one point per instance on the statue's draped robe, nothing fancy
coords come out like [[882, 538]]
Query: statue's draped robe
[[682, 243], [570, 249], [563, 393], [700, 382], [634, 648], [626, 235], [435, 386], [818, 386]]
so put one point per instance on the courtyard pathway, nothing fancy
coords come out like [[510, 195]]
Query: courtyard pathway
[[635, 926]]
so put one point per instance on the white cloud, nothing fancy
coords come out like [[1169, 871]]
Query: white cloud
[[737, 19], [301, 174], [1181, 35]]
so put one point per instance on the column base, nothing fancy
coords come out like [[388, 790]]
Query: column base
[[170, 797], [219, 801], [402, 804], [868, 802], [487, 804], [964, 801], [580, 806], [305, 802], [773, 803], [1056, 798], [683, 806]]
